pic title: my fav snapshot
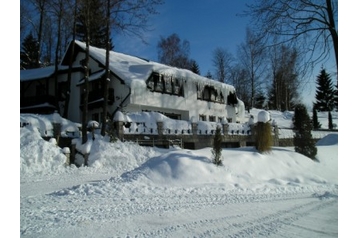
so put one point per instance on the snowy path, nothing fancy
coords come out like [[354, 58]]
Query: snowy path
[[116, 208]]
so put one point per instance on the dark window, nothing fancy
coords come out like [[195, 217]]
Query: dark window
[[164, 84], [202, 118], [212, 118], [232, 99]]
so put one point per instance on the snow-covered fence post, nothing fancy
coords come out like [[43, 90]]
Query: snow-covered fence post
[[120, 130], [225, 126], [66, 151], [119, 120], [57, 126], [56, 131], [92, 126], [73, 151], [160, 128], [85, 156], [194, 125]]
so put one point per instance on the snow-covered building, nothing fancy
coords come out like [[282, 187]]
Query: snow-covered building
[[135, 85]]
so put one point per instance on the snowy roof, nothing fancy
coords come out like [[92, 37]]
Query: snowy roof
[[34, 74], [131, 68], [39, 73]]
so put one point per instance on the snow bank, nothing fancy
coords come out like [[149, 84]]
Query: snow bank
[[243, 167], [38, 156]]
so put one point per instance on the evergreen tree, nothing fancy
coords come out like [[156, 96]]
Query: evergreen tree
[[325, 93], [316, 124], [217, 147], [209, 75], [260, 100], [29, 54], [96, 24], [303, 141], [195, 67]]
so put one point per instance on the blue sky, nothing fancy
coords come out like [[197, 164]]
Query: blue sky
[[205, 24]]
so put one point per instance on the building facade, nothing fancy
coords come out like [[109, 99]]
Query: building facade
[[135, 85]]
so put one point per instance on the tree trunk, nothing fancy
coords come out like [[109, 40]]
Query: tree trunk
[[332, 30], [106, 79], [69, 74], [85, 90]]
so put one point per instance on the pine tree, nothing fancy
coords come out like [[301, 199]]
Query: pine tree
[[316, 124], [209, 75], [96, 25], [302, 126], [217, 147], [29, 54], [325, 93], [195, 67]]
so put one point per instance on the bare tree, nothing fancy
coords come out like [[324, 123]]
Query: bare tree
[[241, 81], [72, 49], [106, 80], [308, 23], [222, 61], [285, 78], [131, 17], [174, 52], [37, 20], [85, 8], [251, 55]]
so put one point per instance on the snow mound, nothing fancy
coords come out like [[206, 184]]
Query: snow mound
[[178, 168], [244, 168]]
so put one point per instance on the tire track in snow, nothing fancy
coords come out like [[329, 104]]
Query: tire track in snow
[[59, 212], [231, 225]]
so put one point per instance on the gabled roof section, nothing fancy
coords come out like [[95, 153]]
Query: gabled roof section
[[125, 67]]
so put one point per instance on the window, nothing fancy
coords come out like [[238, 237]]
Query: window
[[168, 84], [165, 84], [232, 99], [209, 93], [202, 118], [212, 118]]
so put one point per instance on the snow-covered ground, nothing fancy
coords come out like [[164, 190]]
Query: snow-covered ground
[[133, 191]]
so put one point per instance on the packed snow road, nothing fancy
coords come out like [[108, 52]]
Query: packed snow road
[[118, 208]]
